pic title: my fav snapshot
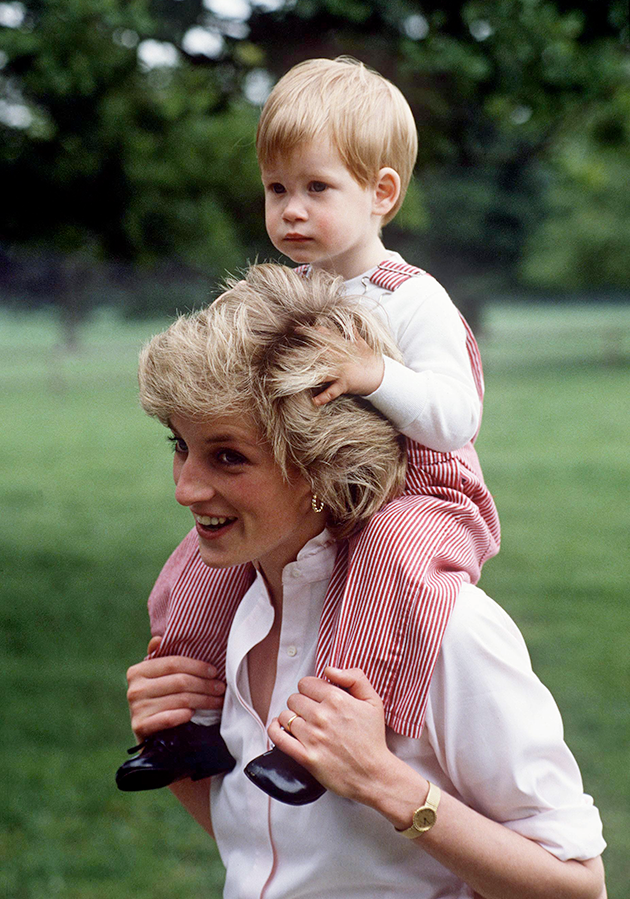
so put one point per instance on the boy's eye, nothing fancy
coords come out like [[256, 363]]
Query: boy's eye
[[317, 186], [276, 188], [178, 445]]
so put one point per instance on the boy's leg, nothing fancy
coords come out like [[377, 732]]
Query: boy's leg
[[405, 572]]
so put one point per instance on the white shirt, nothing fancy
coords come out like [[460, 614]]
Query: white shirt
[[432, 397], [492, 738]]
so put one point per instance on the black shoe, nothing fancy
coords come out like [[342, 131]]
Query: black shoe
[[278, 775], [188, 750]]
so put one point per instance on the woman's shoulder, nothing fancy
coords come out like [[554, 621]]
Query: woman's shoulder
[[498, 735], [483, 652], [477, 619]]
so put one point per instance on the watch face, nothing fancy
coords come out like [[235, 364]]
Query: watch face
[[424, 819]]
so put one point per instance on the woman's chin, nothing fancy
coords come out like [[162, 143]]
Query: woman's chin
[[215, 554]]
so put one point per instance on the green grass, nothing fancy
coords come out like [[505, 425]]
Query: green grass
[[88, 517]]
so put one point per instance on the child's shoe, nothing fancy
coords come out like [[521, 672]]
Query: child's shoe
[[188, 750], [282, 778]]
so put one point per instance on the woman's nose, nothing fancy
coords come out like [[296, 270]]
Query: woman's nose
[[192, 483]]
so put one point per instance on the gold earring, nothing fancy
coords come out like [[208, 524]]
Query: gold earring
[[317, 505]]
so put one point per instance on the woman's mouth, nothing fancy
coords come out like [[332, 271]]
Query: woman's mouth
[[213, 523]]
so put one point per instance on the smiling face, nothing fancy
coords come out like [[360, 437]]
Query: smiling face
[[316, 212], [244, 508]]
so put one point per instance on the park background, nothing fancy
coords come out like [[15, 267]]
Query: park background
[[129, 188]]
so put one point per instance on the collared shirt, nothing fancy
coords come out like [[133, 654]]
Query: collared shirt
[[492, 738]]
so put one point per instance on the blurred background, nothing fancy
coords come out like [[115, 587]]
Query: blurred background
[[129, 189]]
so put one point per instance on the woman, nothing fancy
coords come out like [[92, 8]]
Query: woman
[[489, 795]]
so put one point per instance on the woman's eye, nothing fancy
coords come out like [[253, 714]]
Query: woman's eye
[[230, 457], [318, 186], [178, 445]]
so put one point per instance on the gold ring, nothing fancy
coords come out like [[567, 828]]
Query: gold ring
[[287, 726]]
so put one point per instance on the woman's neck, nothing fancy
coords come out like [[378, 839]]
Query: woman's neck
[[272, 565], [273, 581], [262, 659]]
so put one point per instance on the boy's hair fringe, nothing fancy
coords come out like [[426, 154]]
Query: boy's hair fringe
[[261, 351], [365, 116]]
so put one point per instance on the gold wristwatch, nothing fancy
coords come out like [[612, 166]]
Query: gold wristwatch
[[424, 817]]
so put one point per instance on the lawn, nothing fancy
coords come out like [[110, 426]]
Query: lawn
[[88, 517]]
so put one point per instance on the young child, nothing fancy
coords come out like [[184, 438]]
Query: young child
[[336, 145]]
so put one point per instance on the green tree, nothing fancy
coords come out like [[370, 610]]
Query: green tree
[[583, 241], [113, 160], [516, 103]]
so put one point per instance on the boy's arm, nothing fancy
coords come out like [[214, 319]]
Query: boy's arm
[[431, 397], [435, 409]]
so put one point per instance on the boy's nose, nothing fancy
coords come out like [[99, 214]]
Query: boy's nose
[[294, 210], [192, 485]]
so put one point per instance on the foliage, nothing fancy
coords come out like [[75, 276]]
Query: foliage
[[584, 240], [105, 156], [119, 161]]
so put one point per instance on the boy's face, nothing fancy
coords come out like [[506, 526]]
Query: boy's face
[[315, 211]]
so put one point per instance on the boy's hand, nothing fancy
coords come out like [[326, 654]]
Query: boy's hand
[[360, 378]]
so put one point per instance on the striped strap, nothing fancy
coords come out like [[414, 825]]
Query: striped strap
[[390, 275]]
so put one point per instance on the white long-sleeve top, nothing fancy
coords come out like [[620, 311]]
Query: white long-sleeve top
[[493, 738], [431, 397]]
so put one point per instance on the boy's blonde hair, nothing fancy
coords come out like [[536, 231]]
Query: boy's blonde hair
[[365, 116], [260, 352]]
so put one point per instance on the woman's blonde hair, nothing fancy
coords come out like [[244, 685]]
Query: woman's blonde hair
[[365, 116], [261, 351]]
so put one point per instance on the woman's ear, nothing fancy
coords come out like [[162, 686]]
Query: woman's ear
[[386, 191]]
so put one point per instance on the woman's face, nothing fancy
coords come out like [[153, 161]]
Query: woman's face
[[244, 509]]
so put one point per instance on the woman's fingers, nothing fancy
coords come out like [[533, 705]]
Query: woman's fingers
[[141, 687], [159, 666], [354, 681], [145, 727], [163, 692], [336, 730], [172, 675], [142, 703]]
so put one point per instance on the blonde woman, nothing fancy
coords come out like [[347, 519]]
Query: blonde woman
[[488, 800]]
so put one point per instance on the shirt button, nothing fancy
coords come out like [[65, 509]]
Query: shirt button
[[291, 651], [295, 571]]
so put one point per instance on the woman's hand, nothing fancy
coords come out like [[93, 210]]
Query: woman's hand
[[163, 692], [338, 734]]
